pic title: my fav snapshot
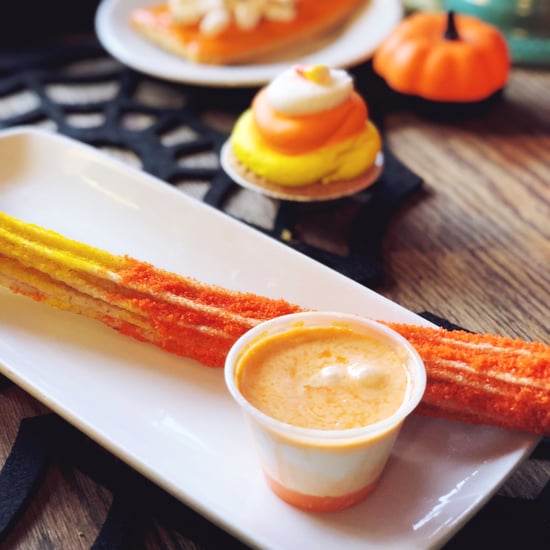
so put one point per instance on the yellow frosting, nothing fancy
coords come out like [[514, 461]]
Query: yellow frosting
[[341, 161]]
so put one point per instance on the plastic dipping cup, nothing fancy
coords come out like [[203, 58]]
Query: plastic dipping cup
[[321, 470]]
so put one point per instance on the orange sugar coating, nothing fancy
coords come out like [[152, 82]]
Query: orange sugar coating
[[208, 349], [516, 409], [484, 378], [245, 304], [515, 405], [295, 135], [176, 325], [515, 357]]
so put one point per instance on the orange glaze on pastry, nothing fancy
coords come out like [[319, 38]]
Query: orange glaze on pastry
[[232, 42], [294, 135]]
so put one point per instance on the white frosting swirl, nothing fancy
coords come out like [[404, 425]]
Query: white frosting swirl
[[308, 90], [368, 374]]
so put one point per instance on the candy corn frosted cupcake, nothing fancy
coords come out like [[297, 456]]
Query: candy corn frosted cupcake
[[307, 136]]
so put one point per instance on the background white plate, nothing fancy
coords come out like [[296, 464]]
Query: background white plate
[[355, 44], [171, 418]]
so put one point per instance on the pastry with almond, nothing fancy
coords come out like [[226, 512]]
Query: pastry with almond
[[307, 136], [223, 32]]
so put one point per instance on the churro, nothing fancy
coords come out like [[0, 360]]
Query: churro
[[482, 379], [179, 314]]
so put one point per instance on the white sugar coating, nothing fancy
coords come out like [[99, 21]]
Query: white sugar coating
[[291, 93]]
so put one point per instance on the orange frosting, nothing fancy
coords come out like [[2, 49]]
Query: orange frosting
[[293, 135], [310, 13]]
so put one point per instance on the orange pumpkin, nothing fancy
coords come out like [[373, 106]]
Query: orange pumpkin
[[443, 57]]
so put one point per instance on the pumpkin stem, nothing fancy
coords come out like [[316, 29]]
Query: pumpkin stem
[[450, 32]]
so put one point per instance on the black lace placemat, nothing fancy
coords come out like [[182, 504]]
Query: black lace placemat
[[356, 224]]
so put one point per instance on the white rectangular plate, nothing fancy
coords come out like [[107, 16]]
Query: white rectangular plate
[[171, 418]]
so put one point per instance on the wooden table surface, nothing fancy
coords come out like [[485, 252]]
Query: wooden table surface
[[475, 246], [472, 246]]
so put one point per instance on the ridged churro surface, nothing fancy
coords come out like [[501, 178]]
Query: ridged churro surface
[[178, 314], [483, 379]]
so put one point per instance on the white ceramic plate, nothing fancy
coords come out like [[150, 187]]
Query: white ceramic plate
[[171, 418], [355, 44]]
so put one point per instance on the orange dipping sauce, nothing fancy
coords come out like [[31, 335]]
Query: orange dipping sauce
[[325, 395], [325, 378]]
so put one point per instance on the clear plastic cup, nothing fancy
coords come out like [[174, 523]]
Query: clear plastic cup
[[322, 470]]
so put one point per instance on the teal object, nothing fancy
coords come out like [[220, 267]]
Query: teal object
[[524, 23]]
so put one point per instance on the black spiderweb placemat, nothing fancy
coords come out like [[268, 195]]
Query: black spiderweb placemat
[[352, 228]]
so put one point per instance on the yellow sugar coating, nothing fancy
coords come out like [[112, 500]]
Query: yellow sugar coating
[[341, 161], [59, 271], [327, 378], [26, 241]]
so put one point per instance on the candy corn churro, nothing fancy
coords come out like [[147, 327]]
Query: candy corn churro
[[178, 314], [482, 379]]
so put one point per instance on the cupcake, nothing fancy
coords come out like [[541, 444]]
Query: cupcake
[[307, 136]]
